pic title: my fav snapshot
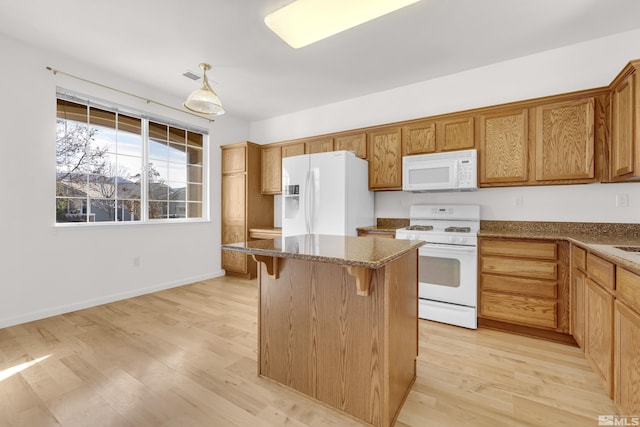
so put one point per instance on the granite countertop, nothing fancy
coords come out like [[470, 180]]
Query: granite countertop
[[602, 239], [369, 252]]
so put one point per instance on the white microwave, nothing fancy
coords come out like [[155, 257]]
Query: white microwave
[[450, 171]]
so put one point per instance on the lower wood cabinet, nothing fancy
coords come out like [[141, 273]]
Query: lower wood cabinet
[[627, 359], [598, 339], [377, 233], [627, 342], [578, 284], [525, 282]]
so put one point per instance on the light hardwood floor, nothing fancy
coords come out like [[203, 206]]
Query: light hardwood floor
[[187, 357]]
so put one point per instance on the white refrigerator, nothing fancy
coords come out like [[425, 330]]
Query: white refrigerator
[[325, 193]]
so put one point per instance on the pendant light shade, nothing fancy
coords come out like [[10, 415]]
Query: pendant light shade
[[204, 100]]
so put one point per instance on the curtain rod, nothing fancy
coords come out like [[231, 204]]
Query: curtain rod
[[147, 100]]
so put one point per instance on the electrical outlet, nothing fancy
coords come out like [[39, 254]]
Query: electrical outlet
[[517, 201], [622, 200], [136, 261]]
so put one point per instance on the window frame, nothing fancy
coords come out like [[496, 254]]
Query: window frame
[[145, 118]]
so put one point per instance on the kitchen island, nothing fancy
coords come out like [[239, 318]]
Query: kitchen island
[[338, 319]]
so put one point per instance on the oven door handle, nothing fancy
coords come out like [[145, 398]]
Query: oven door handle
[[448, 248]]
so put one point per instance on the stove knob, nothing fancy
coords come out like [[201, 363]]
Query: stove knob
[[462, 240], [452, 239]]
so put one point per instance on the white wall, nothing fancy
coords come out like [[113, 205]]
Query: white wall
[[46, 270], [581, 66]]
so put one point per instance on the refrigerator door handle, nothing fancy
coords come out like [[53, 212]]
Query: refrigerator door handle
[[307, 217], [312, 198]]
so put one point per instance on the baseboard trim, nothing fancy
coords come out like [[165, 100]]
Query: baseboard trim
[[55, 311], [527, 331]]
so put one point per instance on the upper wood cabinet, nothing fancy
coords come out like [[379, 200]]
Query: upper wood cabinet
[[455, 134], [289, 150], [356, 142], [504, 146], [419, 138], [385, 159], [625, 124], [271, 169], [578, 137], [565, 148], [319, 145], [234, 159]]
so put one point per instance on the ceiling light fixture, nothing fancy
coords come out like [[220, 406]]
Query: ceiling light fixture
[[204, 100], [303, 22]]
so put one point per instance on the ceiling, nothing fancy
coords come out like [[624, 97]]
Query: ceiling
[[258, 76]]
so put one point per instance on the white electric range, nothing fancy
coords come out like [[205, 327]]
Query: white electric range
[[447, 263]]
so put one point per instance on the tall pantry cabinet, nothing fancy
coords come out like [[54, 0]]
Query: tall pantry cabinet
[[243, 205]]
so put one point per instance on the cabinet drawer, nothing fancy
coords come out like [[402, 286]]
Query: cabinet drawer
[[519, 285], [518, 309], [578, 258], [601, 271], [525, 249], [519, 267], [628, 288]]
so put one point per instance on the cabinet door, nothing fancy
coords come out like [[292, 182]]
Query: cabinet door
[[578, 283], [233, 219], [419, 138], [504, 147], [622, 137], [455, 134], [271, 169], [385, 159], [234, 160], [565, 141], [356, 143], [627, 366], [290, 150], [599, 333], [320, 145]]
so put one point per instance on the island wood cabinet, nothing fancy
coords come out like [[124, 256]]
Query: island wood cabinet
[[627, 342], [525, 282], [243, 205], [271, 168], [625, 124], [385, 159]]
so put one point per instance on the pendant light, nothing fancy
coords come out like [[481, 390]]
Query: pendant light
[[204, 100]]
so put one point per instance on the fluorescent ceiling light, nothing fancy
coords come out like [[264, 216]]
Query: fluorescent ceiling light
[[306, 21]]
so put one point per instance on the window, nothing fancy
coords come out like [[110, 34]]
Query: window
[[114, 166]]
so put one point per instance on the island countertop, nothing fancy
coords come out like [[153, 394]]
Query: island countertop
[[369, 252]]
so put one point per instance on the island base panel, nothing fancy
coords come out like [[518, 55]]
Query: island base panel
[[354, 353]]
